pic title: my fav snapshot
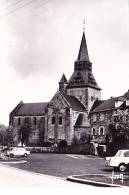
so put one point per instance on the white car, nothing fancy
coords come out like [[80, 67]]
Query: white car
[[18, 151], [120, 160]]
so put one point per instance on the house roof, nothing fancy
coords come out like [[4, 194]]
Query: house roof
[[105, 104], [31, 109], [74, 103], [126, 95]]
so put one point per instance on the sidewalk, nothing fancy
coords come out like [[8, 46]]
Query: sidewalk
[[17, 181], [12, 177]]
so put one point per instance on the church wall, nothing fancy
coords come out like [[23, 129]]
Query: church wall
[[93, 94], [58, 119], [86, 96], [76, 131], [35, 130], [73, 117], [79, 93], [58, 131]]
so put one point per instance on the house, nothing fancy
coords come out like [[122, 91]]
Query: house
[[109, 123]]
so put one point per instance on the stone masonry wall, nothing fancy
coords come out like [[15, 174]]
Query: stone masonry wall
[[93, 94], [86, 96], [35, 130], [79, 93], [57, 108], [100, 121]]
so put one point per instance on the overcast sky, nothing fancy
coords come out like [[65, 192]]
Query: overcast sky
[[40, 40]]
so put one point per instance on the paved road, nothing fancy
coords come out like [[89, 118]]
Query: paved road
[[63, 165]]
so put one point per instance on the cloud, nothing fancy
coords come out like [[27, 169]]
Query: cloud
[[42, 40]]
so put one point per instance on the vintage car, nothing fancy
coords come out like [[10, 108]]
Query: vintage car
[[17, 151], [120, 160]]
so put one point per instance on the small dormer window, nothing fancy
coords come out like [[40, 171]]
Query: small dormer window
[[94, 117], [101, 116], [118, 103]]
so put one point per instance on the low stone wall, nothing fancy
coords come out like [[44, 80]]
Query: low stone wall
[[41, 149], [78, 149]]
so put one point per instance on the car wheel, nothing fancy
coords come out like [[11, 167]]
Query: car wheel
[[11, 155], [25, 155], [122, 167]]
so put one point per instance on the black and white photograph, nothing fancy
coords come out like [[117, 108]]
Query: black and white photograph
[[64, 103]]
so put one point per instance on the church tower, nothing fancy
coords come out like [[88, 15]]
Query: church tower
[[63, 84], [82, 83]]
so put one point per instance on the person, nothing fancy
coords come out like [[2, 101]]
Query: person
[[55, 146]]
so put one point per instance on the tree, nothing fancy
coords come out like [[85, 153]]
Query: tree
[[84, 137], [24, 134], [75, 141], [3, 135], [118, 131], [62, 145], [10, 136]]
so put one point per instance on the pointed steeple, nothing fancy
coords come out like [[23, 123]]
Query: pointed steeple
[[83, 75], [83, 51], [63, 79], [63, 84]]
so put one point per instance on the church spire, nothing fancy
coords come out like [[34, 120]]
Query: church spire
[[82, 75], [63, 79], [83, 51]]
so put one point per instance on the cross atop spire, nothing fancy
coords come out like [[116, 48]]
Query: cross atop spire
[[84, 25]]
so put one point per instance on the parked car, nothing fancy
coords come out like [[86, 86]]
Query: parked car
[[17, 151], [120, 160]]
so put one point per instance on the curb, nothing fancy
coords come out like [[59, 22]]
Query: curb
[[14, 162], [90, 182]]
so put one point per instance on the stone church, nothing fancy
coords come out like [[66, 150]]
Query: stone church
[[66, 115]]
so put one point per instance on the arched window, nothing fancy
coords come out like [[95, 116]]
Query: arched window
[[101, 131], [93, 131], [60, 120], [53, 120], [35, 121], [19, 121]]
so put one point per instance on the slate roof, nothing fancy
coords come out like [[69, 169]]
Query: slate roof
[[31, 109], [81, 121], [83, 78], [83, 51], [82, 75], [74, 103], [105, 104], [126, 95], [63, 79]]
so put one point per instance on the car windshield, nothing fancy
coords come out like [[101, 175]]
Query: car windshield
[[118, 154]]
